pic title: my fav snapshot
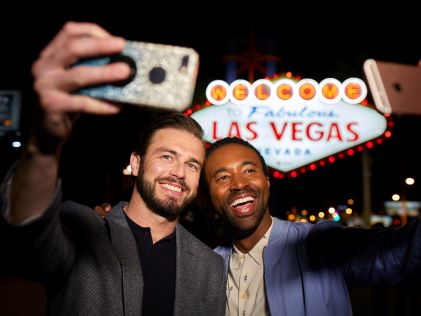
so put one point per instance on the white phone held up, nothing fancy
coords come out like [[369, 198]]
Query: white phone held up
[[395, 87]]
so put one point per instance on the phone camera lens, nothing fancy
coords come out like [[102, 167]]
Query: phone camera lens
[[157, 75]]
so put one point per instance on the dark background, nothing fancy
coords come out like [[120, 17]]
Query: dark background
[[331, 45], [311, 41]]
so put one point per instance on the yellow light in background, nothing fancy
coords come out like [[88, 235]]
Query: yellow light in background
[[321, 214], [350, 201], [307, 91], [312, 218], [291, 217], [348, 211], [127, 171], [284, 91], [409, 181], [218, 92], [262, 91], [240, 92], [396, 197], [304, 212], [330, 91], [353, 90]]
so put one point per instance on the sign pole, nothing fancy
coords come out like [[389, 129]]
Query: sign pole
[[366, 170]]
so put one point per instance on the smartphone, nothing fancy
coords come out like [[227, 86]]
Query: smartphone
[[163, 76], [395, 88]]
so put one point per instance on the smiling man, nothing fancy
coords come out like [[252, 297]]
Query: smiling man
[[137, 260], [278, 267]]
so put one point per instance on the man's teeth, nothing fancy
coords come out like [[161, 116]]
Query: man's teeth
[[241, 201], [171, 187]]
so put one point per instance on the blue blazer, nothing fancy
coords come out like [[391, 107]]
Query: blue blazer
[[308, 267]]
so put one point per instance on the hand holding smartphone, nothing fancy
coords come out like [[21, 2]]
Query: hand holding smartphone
[[395, 88], [163, 76]]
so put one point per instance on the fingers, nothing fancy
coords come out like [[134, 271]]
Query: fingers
[[53, 89], [107, 207], [55, 101], [82, 76], [55, 80], [76, 48], [73, 30], [103, 209]]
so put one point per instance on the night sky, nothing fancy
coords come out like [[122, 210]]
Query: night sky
[[316, 48]]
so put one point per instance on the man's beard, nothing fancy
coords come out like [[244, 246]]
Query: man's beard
[[239, 231], [166, 208]]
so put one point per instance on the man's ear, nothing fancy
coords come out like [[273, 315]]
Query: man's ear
[[135, 164]]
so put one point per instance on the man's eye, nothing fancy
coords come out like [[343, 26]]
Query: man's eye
[[166, 157], [193, 166], [222, 178], [249, 170]]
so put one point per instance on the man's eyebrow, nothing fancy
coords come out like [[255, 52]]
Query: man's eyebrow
[[195, 161], [249, 163], [223, 169], [161, 149], [175, 153]]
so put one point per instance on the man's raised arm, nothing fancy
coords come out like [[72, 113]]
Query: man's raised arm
[[35, 177]]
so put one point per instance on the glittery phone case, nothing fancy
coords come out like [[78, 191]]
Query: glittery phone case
[[163, 76]]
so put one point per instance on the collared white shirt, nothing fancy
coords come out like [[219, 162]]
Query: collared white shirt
[[246, 294]]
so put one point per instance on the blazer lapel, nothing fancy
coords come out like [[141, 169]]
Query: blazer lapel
[[124, 246], [187, 264]]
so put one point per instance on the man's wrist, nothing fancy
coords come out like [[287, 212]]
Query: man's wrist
[[42, 142]]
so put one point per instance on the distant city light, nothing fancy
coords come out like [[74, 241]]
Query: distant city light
[[409, 181], [16, 144], [127, 171], [396, 197]]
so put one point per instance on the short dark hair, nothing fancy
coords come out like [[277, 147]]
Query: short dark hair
[[235, 140], [172, 120]]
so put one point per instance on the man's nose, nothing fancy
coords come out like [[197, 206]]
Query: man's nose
[[238, 182], [178, 170]]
